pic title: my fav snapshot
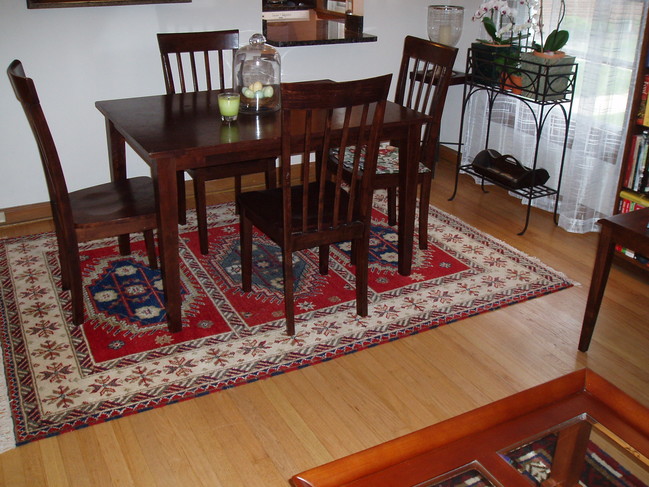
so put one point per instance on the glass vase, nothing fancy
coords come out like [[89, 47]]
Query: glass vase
[[445, 24]]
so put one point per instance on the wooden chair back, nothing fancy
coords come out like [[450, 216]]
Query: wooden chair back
[[199, 56], [25, 91], [422, 84], [313, 110]]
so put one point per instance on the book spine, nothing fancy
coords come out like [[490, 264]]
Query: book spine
[[624, 204], [643, 113], [639, 165], [631, 162], [641, 161], [636, 198], [637, 162]]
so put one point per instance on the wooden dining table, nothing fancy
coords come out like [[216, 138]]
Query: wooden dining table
[[172, 133]]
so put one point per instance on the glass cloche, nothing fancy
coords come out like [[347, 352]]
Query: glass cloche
[[257, 76]]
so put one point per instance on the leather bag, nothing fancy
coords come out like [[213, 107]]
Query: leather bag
[[507, 170]]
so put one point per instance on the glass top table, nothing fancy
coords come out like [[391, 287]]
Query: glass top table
[[576, 427]]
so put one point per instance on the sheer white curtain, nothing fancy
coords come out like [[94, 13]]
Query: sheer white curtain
[[605, 37]]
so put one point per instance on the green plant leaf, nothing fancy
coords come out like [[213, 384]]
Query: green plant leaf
[[556, 40], [490, 28]]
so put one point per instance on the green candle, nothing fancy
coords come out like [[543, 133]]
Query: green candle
[[229, 106]]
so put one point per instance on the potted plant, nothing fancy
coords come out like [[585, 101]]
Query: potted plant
[[498, 56], [511, 79], [547, 72]]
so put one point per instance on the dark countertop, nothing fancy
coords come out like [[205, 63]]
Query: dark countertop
[[312, 32]]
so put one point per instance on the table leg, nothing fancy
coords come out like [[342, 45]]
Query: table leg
[[408, 168], [164, 176], [601, 270], [569, 455], [117, 164]]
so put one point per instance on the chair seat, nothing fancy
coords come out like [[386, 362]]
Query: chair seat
[[265, 209], [113, 202], [387, 162]]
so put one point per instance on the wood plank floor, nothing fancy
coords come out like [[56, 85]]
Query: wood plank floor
[[262, 433]]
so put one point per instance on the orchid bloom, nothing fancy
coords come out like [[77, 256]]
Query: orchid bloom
[[505, 14]]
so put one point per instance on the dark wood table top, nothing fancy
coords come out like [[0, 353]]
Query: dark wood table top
[[637, 221], [189, 124]]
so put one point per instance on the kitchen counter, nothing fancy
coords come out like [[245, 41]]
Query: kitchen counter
[[312, 32]]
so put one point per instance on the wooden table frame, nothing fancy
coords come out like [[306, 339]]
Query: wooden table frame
[[628, 230], [476, 438], [172, 133]]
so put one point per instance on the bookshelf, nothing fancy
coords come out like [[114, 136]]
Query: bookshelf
[[633, 186]]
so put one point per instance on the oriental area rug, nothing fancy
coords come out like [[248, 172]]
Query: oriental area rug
[[122, 360]]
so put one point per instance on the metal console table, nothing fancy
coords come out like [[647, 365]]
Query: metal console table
[[544, 89]]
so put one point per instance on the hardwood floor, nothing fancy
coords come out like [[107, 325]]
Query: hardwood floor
[[262, 433]]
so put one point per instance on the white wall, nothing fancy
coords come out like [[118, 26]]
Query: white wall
[[77, 56]]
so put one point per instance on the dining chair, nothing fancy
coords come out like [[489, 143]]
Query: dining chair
[[201, 57], [319, 210], [106, 210], [422, 85]]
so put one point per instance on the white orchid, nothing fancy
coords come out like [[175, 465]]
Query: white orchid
[[500, 17], [490, 7]]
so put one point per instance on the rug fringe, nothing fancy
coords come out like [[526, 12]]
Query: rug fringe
[[7, 436]]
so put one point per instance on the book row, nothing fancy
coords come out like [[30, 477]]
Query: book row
[[637, 171]]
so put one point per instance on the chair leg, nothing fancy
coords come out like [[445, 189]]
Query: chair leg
[[271, 174], [245, 241], [362, 275], [201, 214], [65, 270], [289, 310], [76, 287], [424, 203], [323, 253], [182, 198], [63, 259], [237, 192], [124, 244], [392, 206], [150, 249]]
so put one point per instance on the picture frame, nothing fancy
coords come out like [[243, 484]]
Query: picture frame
[[33, 4]]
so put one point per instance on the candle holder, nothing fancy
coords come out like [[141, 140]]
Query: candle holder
[[445, 24]]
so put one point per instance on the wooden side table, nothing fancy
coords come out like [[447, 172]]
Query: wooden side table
[[628, 230]]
